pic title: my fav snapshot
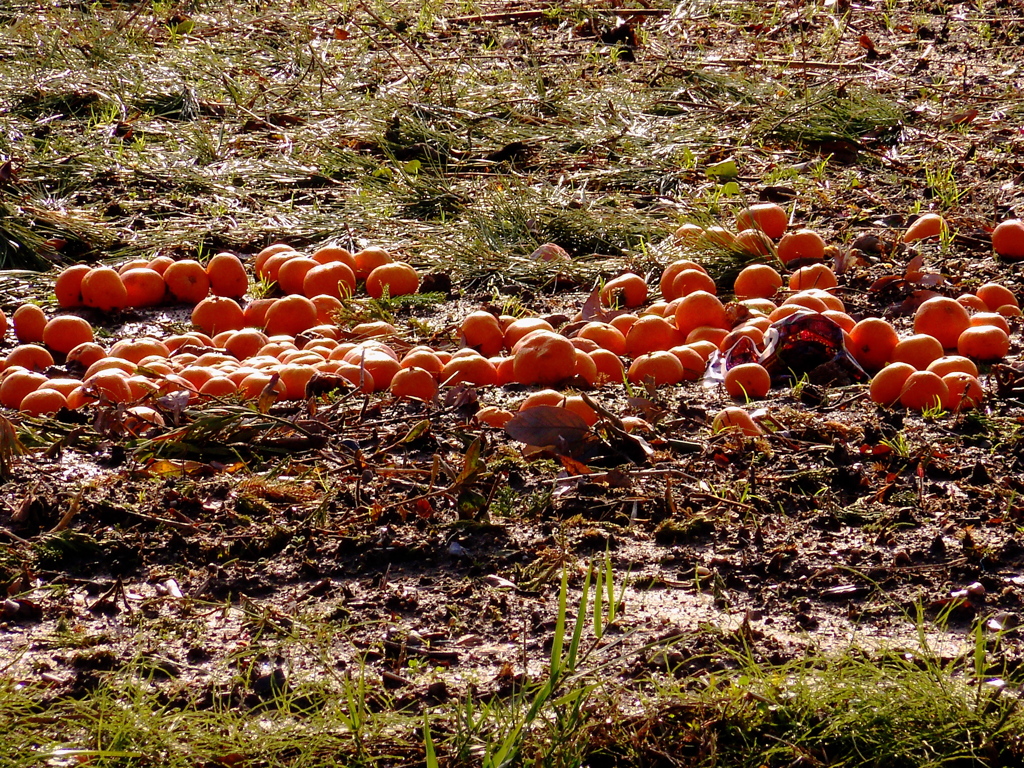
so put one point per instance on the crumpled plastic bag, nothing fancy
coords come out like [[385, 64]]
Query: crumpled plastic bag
[[802, 344]]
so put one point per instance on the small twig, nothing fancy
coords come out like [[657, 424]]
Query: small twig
[[13, 536]]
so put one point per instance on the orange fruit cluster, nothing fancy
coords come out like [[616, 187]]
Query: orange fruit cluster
[[936, 367], [272, 346], [277, 346]]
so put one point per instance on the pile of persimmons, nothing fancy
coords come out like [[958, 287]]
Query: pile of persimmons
[[277, 346]]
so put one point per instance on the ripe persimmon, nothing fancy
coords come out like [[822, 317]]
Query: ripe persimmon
[[991, 318], [227, 276], [813, 276], [943, 318], [770, 218], [133, 264], [493, 416], [785, 310], [995, 295], [295, 376], [924, 226], [735, 419], [271, 250], [414, 382], [256, 312], [43, 402], [661, 368], [272, 266], [394, 279], [610, 369], [218, 386], [329, 254], [196, 375], [368, 259], [872, 343], [85, 354], [919, 350], [628, 290], [1008, 239], [651, 333], [690, 280], [688, 234], [68, 286], [145, 287], [374, 329], [424, 358], [720, 237], [923, 390], [887, 385], [751, 332], [291, 315], [964, 391], [16, 385], [669, 274], [605, 335], [747, 381], [579, 406], [335, 278], [712, 334], [472, 369], [31, 357], [807, 300], [757, 281], [65, 332], [381, 366], [505, 368], [521, 327], [110, 384], [544, 358], [160, 263], [659, 308], [970, 301], [693, 361], [187, 281], [327, 309], [803, 244], [136, 349], [586, 369], [481, 331], [257, 384], [841, 319], [754, 242], [953, 364], [698, 309], [64, 386], [292, 274], [549, 397], [29, 321], [216, 314], [623, 322], [585, 345], [984, 343]]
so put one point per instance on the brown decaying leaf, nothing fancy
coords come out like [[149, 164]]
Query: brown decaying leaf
[[547, 426]]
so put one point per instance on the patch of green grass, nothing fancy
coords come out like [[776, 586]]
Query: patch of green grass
[[828, 114], [904, 707]]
